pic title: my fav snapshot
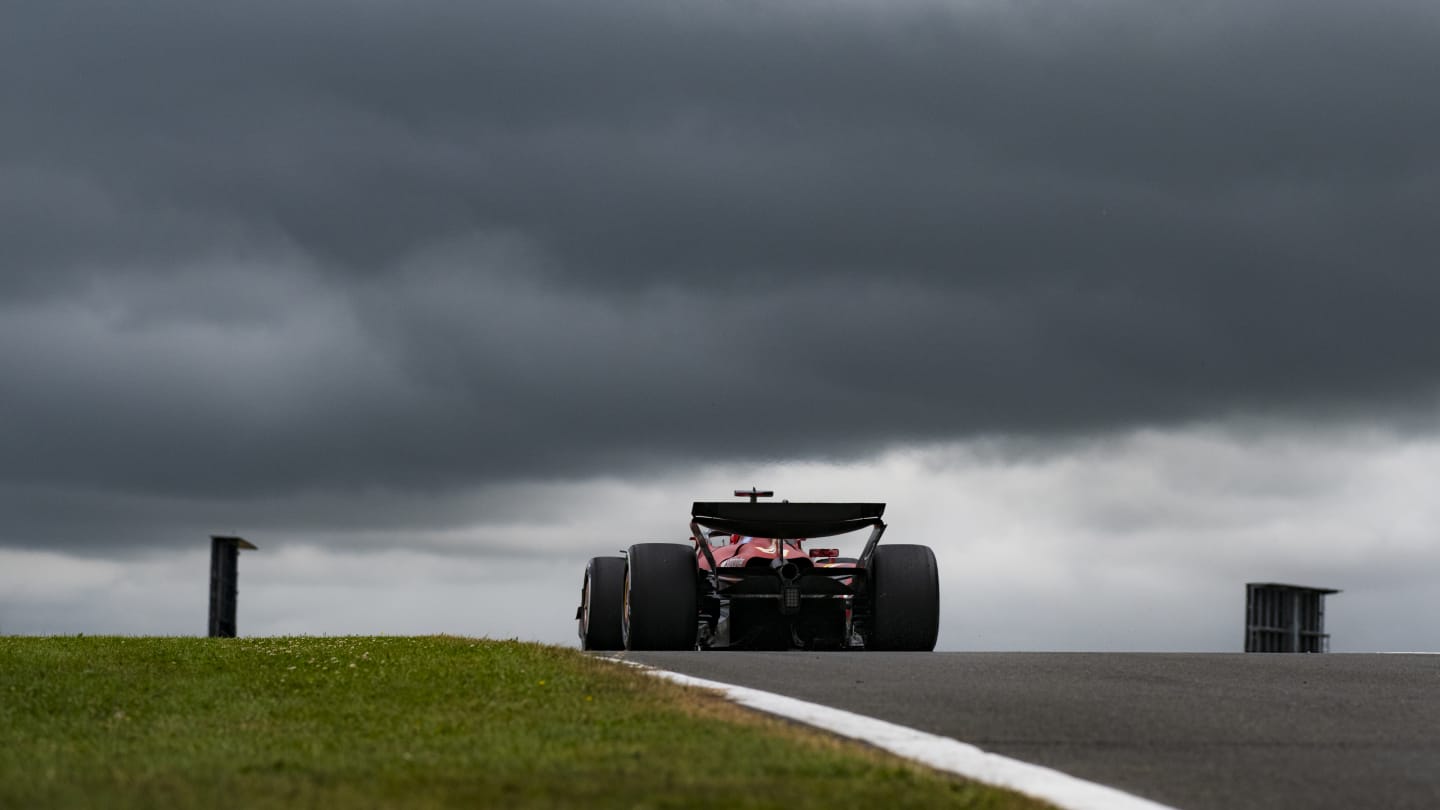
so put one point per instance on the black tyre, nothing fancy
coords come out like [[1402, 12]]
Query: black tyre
[[602, 597], [905, 599], [661, 611]]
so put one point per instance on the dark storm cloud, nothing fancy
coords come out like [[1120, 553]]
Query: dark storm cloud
[[271, 249]]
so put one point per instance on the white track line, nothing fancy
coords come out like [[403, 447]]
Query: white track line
[[942, 753]]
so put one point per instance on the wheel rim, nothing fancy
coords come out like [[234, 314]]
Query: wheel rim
[[585, 612], [625, 612]]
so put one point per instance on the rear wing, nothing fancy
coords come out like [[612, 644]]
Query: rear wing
[[787, 520]]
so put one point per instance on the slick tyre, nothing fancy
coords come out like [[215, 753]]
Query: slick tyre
[[601, 599], [905, 594], [660, 610]]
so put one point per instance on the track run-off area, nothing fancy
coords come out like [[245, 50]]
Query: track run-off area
[[1193, 731]]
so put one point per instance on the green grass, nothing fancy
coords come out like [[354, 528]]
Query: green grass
[[407, 722]]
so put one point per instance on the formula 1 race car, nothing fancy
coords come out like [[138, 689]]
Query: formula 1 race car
[[744, 581]]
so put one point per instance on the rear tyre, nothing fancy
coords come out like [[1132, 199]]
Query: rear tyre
[[661, 610], [905, 599], [601, 600]]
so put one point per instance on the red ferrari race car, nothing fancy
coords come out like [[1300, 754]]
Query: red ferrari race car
[[746, 581]]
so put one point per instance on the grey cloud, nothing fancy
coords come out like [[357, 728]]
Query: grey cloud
[[652, 141], [333, 247]]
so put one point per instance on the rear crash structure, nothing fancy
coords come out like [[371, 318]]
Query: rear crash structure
[[745, 580]]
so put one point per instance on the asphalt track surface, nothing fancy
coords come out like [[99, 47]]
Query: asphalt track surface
[[1195, 731]]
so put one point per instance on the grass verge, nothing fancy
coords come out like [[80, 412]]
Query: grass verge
[[408, 722]]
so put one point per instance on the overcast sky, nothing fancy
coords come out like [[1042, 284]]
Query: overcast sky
[[1118, 304]]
